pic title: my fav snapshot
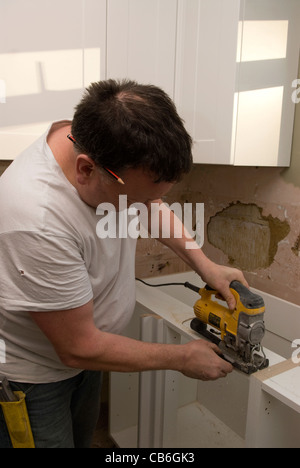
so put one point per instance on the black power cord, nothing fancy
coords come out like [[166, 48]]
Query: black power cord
[[186, 285]]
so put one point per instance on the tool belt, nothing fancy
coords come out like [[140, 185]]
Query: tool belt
[[16, 418]]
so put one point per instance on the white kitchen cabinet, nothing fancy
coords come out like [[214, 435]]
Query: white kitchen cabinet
[[236, 61], [49, 51], [228, 64], [141, 41], [164, 409]]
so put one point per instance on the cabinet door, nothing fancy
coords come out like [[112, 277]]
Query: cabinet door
[[267, 66], [141, 41], [236, 62], [206, 75], [49, 51]]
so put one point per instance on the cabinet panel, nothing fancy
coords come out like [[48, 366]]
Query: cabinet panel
[[142, 41], [94, 41], [46, 59], [206, 74]]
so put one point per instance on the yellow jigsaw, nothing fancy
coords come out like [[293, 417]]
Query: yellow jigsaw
[[238, 333]]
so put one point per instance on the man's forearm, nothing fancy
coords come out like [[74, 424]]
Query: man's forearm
[[179, 240], [108, 352], [218, 277], [196, 359], [80, 345]]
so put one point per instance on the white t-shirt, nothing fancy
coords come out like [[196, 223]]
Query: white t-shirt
[[51, 260]]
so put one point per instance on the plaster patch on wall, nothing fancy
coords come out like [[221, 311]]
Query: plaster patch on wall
[[249, 239]]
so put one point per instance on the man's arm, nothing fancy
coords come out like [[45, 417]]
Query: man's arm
[[218, 277], [80, 345]]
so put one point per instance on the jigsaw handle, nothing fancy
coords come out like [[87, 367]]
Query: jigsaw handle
[[249, 299]]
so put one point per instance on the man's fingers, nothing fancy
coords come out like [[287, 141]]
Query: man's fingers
[[228, 368], [215, 348]]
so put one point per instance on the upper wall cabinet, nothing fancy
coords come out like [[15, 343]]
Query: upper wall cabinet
[[228, 64], [49, 51], [236, 61]]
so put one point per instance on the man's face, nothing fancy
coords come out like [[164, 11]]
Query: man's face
[[139, 188], [96, 187]]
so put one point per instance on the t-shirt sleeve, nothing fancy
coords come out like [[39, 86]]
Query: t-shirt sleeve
[[40, 273]]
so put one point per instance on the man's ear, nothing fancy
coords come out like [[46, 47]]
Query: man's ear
[[85, 168]]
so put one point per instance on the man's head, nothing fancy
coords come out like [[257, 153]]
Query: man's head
[[125, 125]]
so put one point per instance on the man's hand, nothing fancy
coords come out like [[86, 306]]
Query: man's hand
[[203, 362], [220, 277]]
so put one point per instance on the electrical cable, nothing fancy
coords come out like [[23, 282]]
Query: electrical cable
[[186, 285], [159, 285]]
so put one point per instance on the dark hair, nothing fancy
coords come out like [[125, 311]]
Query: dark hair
[[123, 124]]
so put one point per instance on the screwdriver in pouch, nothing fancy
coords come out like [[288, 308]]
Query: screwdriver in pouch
[[6, 394]]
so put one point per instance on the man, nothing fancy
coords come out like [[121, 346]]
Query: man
[[65, 293]]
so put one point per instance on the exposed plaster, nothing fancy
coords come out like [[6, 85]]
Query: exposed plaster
[[249, 239]]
